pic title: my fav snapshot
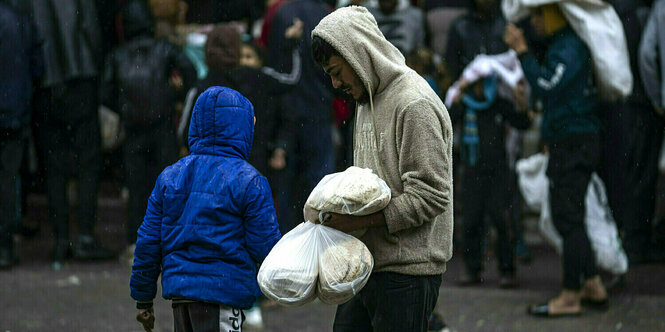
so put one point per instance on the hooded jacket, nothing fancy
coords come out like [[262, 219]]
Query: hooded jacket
[[211, 218], [404, 134]]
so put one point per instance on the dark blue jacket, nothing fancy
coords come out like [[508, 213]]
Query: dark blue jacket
[[211, 217], [565, 85], [22, 65]]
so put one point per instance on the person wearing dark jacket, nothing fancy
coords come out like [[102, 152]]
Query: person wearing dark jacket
[[564, 83], [210, 221], [485, 116], [138, 83], [261, 85], [308, 106], [67, 120], [478, 32], [23, 66]]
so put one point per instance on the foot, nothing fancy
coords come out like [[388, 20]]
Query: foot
[[594, 294], [566, 304], [61, 251], [89, 249], [7, 259], [508, 280], [435, 323]]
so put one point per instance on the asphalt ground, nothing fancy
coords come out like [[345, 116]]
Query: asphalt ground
[[94, 296]]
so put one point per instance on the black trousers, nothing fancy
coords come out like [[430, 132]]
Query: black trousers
[[206, 317], [390, 302], [486, 193], [571, 163], [146, 152], [69, 139], [11, 152]]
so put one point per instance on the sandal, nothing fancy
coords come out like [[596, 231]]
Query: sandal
[[543, 310]]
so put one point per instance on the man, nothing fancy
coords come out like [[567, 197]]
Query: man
[[21, 55], [564, 83], [403, 133], [305, 134], [67, 121]]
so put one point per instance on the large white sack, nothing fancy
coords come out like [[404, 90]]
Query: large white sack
[[599, 222], [598, 25], [355, 191]]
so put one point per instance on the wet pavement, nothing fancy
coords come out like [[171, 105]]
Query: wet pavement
[[94, 296]]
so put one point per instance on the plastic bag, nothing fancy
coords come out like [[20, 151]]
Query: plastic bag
[[600, 225], [598, 25], [356, 191], [288, 274], [533, 181], [311, 257], [344, 268]]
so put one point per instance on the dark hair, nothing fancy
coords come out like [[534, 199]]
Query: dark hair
[[322, 50], [256, 48]]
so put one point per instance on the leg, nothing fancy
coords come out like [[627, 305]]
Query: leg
[[11, 149], [403, 302], [505, 241], [181, 321], [135, 162], [473, 224], [353, 316]]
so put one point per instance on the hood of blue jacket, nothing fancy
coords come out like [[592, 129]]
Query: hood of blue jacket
[[222, 124]]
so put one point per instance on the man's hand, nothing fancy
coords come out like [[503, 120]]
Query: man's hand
[[514, 38], [147, 318], [347, 223], [295, 30], [278, 159]]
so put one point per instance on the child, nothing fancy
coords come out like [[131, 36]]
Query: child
[[210, 221]]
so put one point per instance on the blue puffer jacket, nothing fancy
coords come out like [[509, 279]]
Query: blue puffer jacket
[[211, 217]]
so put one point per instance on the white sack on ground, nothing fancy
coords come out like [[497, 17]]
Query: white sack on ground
[[344, 268], [356, 191], [598, 25], [600, 225]]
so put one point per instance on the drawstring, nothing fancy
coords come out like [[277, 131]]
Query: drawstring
[[376, 135]]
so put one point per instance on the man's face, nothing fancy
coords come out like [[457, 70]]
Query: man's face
[[345, 78], [537, 21]]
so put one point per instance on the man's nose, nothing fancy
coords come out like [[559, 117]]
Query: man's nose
[[336, 83]]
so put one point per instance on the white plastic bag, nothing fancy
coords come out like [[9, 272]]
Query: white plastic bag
[[288, 274], [598, 25], [356, 191], [314, 256], [344, 267], [600, 225], [533, 181]]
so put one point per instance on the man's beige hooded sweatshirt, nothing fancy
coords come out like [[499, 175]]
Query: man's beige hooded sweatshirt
[[414, 155]]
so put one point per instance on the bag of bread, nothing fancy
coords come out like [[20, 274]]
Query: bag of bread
[[355, 191], [345, 265]]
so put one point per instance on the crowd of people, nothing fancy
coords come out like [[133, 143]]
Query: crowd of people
[[329, 91]]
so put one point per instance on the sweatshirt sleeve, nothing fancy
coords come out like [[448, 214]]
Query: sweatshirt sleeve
[[148, 253], [424, 141], [259, 219], [652, 46]]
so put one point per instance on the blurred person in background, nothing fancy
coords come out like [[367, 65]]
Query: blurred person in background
[[67, 121], [306, 112], [142, 81], [648, 138], [564, 83], [239, 65], [23, 66], [401, 23]]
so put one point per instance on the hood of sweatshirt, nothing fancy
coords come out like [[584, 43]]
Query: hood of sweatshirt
[[353, 32]]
